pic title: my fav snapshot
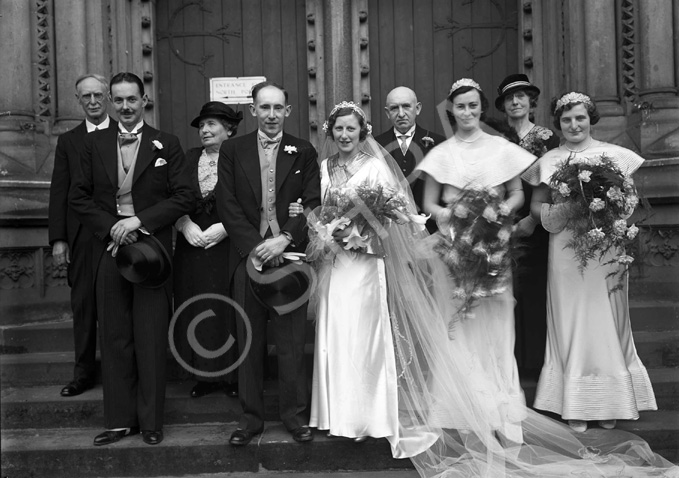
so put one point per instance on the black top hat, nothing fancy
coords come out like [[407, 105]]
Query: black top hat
[[145, 262], [219, 110], [282, 289], [511, 84]]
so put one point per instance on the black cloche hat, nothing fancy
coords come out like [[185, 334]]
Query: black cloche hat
[[219, 110], [511, 84], [145, 262]]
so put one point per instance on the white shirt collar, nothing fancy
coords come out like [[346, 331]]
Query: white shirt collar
[[135, 130], [408, 133], [103, 125]]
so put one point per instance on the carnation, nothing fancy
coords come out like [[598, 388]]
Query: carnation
[[596, 234], [632, 232], [504, 235], [489, 214], [619, 227], [597, 205], [496, 258], [584, 176], [461, 211], [504, 209], [615, 194], [563, 189]]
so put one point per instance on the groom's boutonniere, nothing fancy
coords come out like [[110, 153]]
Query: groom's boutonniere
[[156, 145], [290, 149], [428, 141]]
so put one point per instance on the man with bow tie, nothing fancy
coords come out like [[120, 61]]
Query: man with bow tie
[[260, 174], [69, 239], [134, 180], [406, 141]]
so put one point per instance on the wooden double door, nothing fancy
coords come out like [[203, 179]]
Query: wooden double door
[[422, 44]]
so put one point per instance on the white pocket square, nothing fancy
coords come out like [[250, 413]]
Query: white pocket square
[[160, 162], [298, 171]]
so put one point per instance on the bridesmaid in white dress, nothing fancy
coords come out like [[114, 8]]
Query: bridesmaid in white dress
[[591, 370], [475, 159]]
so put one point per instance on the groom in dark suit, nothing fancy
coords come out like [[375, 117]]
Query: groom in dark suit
[[134, 180], [70, 241], [260, 174], [406, 141]]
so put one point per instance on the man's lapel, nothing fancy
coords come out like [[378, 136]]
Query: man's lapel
[[108, 148], [145, 153], [248, 157], [284, 161], [419, 134]]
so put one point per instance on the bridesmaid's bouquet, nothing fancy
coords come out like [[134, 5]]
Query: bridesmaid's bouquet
[[474, 242], [602, 198], [367, 210]]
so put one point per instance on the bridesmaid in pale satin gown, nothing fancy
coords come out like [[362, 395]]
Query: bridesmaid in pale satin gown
[[592, 371]]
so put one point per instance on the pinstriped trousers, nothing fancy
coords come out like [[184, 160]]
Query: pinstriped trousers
[[133, 323]]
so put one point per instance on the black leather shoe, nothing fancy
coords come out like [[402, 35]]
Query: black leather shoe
[[205, 388], [74, 388], [242, 437], [302, 434], [111, 436], [152, 437]]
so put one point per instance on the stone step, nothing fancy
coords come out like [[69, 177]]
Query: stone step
[[193, 449], [57, 335], [43, 407]]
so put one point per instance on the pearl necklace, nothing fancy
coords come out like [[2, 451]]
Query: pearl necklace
[[578, 150], [469, 140]]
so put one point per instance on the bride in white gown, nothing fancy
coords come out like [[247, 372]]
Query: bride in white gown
[[383, 360]]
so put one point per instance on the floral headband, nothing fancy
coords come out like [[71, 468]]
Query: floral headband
[[353, 106], [572, 97], [464, 82]]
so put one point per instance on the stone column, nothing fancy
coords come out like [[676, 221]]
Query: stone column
[[658, 100], [338, 58]]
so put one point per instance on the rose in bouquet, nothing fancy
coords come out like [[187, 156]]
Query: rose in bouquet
[[601, 199], [475, 243], [368, 210]]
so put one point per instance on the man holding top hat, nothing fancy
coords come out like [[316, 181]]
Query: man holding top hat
[[134, 184], [259, 175]]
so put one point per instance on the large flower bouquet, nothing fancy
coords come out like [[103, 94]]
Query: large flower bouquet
[[368, 210], [474, 242], [601, 200]]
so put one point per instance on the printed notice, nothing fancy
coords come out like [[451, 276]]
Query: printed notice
[[233, 90]]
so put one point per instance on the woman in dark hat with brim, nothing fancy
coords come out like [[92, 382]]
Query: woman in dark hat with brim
[[517, 97], [200, 261]]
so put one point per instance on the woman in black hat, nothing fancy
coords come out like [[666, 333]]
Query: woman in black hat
[[517, 97], [200, 259]]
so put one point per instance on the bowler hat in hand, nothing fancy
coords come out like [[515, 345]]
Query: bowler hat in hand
[[145, 262], [282, 289], [511, 84], [217, 109]]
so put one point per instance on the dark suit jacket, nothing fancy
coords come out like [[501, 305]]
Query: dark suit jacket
[[161, 194], [63, 221], [239, 191], [416, 152]]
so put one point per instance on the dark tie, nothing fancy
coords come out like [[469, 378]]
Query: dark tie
[[127, 148]]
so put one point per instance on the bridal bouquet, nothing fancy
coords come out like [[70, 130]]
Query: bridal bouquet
[[474, 242], [601, 200], [368, 210]]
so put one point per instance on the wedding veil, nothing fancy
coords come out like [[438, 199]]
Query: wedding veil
[[443, 427]]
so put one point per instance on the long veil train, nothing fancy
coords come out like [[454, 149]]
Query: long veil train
[[443, 426]]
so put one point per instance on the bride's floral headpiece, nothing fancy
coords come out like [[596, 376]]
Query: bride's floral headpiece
[[464, 82], [572, 97], [353, 106]]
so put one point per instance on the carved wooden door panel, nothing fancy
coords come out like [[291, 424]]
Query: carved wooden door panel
[[428, 44], [200, 39]]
